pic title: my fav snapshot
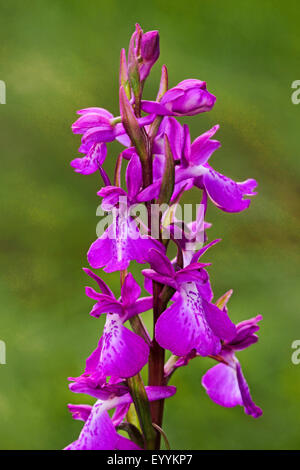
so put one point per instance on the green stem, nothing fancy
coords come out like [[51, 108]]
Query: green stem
[[139, 328], [142, 406]]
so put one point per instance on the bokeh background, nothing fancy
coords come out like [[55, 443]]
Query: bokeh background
[[59, 56]]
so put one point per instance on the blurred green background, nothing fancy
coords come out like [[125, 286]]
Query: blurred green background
[[59, 56]]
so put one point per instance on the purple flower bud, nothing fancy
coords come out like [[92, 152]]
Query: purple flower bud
[[142, 55], [149, 52], [188, 98]]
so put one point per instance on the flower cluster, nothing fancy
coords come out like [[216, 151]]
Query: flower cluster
[[162, 163]]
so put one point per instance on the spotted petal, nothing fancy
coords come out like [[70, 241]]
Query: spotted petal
[[99, 433], [183, 326], [226, 193], [120, 353]]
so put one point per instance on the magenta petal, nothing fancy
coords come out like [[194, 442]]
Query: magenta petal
[[192, 273], [105, 133], [98, 433], [84, 166], [121, 243], [100, 252], [124, 139], [148, 284], [173, 93], [206, 291], [92, 361], [100, 390], [219, 321], [184, 185], [221, 385], [123, 353], [95, 156], [149, 52], [80, 412], [125, 444], [153, 107], [128, 153], [158, 392], [141, 246], [101, 111], [183, 175], [176, 136], [201, 252], [203, 147], [119, 414], [158, 167], [202, 155], [176, 330], [154, 276], [130, 290], [105, 303], [146, 120], [161, 263], [226, 386], [90, 292], [103, 286], [141, 305], [249, 405], [110, 250], [226, 193], [245, 333], [151, 192], [134, 178], [88, 121], [111, 196], [183, 326]]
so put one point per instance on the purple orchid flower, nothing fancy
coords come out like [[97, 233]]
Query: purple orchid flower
[[188, 98], [114, 195], [190, 236], [93, 160], [225, 193], [228, 195], [162, 164], [99, 431], [121, 243], [99, 125], [114, 396], [120, 352], [101, 389], [191, 322], [225, 383], [127, 306]]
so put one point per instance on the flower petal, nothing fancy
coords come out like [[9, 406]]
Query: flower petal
[[183, 326], [98, 433], [80, 412], [103, 286], [249, 405], [203, 147], [221, 385], [130, 290], [219, 321], [123, 353], [226, 193], [134, 176]]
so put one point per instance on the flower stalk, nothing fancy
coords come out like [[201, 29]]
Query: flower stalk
[[162, 163]]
